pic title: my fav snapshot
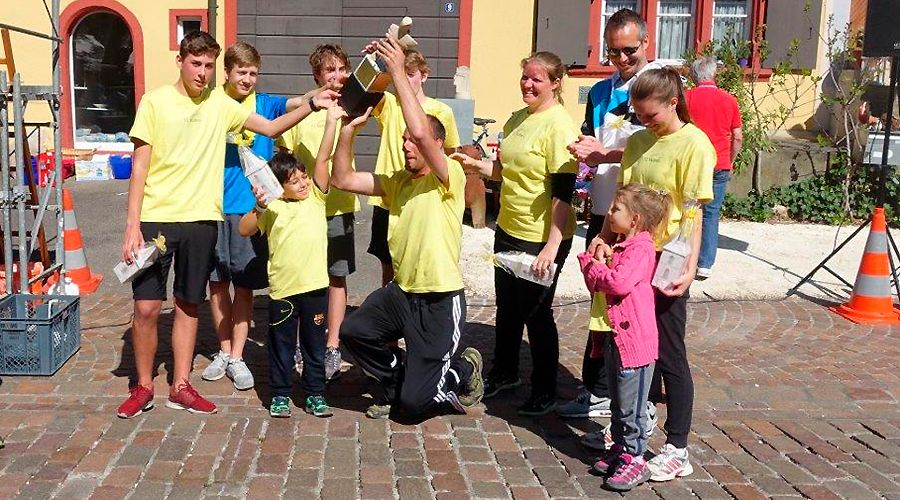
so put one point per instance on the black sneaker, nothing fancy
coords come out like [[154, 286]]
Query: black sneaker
[[538, 405], [494, 383]]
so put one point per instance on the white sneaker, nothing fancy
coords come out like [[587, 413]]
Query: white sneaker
[[238, 372], [671, 462], [332, 363], [216, 369], [585, 405], [602, 440], [703, 273]]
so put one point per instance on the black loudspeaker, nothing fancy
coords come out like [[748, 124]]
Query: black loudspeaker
[[882, 35]]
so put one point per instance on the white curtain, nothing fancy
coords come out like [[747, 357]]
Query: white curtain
[[675, 18], [730, 19], [610, 7]]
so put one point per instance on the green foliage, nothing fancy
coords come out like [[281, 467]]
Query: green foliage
[[820, 199]]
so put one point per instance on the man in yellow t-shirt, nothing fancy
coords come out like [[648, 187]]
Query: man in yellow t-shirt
[[425, 304], [330, 67], [176, 192], [390, 149]]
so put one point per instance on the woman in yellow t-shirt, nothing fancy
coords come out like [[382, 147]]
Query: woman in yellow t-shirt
[[675, 156], [536, 217]]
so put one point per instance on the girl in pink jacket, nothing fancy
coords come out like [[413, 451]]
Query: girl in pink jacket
[[623, 273]]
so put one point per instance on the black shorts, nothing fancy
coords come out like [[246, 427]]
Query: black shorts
[[193, 245], [341, 245], [378, 246]]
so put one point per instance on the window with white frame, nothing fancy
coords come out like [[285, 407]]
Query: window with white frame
[[731, 20], [610, 7], [187, 24], [675, 26]]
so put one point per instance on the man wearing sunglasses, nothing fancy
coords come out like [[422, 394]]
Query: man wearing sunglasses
[[625, 38]]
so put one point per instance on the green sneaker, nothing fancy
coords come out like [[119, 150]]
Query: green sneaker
[[317, 406], [280, 407], [474, 390], [379, 410]]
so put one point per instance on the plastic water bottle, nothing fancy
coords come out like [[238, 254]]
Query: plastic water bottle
[[677, 252], [69, 288]]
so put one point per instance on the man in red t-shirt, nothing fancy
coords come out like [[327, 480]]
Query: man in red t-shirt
[[716, 113]]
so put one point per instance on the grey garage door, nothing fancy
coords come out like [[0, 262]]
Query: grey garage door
[[286, 31]]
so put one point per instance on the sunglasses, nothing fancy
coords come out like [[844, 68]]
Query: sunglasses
[[628, 51]]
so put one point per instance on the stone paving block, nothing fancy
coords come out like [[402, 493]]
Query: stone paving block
[[109, 492], [672, 490], [452, 495], [413, 488], [151, 490], [409, 468], [489, 490], [745, 492], [339, 490], [707, 490], [518, 476], [773, 485], [442, 461], [449, 482], [871, 478], [481, 472], [817, 466], [376, 492], [556, 481], [474, 454], [849, 488], [528, 493]]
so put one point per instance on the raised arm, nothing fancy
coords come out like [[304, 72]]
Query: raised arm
[[343, 176], [276, 127], [321, 174], [417, 125]]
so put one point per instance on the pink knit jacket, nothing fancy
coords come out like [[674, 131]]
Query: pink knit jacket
[[629, 296]]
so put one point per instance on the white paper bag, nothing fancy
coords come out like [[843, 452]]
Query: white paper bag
[[259, 174], [144, 258]]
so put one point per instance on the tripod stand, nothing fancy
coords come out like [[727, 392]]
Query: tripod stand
[[879, 200]]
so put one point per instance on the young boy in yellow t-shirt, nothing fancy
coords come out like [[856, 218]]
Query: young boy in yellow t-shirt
[[298, 281], [389, 115]]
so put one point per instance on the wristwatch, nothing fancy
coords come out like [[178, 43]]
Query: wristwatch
[[312, 105]]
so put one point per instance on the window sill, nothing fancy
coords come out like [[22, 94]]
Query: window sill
[[599, 71]]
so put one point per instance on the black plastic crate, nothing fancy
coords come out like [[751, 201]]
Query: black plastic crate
[[38, 333]]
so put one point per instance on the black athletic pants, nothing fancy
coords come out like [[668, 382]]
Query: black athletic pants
[[432, 325], [306, 311], [672, 368], [520, 304]]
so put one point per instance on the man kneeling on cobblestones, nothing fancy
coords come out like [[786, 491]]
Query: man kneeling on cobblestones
[[425, 304]]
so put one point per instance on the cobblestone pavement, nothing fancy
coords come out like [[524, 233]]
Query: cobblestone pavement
[[792, 402]]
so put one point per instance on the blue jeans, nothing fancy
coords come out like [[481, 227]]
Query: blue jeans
[[709, 239]]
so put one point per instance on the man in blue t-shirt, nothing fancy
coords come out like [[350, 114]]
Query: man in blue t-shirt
[[239, 260]]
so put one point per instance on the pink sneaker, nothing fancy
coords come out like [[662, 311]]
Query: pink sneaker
[[140, 399], [631, 473], [185, 397], [610, 460]]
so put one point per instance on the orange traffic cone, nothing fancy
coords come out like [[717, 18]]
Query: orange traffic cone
[[76, 262], [871, 302]]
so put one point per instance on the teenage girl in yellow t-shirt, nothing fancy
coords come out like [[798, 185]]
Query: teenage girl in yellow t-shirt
[[672, 155], [536, 217]]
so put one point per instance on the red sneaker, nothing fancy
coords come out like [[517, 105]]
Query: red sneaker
[[185, 397], [140, 399]]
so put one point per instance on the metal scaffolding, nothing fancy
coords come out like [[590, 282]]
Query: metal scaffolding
[[15, 198]]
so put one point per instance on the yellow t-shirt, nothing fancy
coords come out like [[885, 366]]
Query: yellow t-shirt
[[425, 229], [389, 115], [534, 147], [298, 244], [303, 139], [680, 163], [187, 139]]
